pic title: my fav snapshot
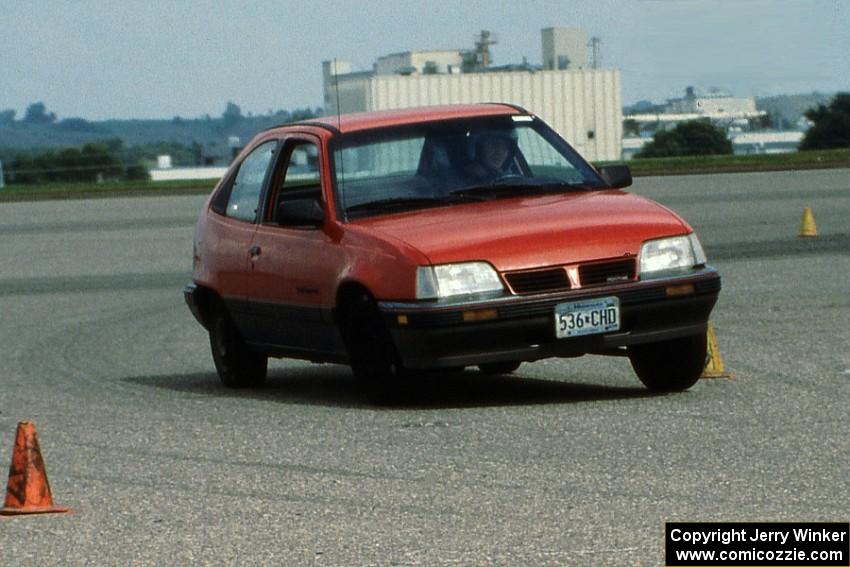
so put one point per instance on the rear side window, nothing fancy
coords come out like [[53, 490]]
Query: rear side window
[[244, 200]]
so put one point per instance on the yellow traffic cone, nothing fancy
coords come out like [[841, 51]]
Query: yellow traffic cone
[[808, 228], [714, 363]]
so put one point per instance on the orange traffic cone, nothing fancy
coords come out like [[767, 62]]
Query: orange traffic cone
[[28, 491], [808, 227]]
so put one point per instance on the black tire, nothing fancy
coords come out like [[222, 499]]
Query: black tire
[[499, 367], [669, 366], [372, 355], [236, 364]]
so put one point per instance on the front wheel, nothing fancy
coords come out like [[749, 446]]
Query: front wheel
[[669, 366], [236, 364], [371, 352]]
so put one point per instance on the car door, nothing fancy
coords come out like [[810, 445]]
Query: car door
[[295, 261], [230, 231]]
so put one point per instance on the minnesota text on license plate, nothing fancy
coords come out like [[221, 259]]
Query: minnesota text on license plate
[[588, 317]]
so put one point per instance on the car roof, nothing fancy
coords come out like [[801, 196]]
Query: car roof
[[346, 123]]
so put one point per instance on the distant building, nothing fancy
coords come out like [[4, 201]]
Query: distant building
[[766, 142], [733, 114], [164, 171], [633, 145], [424, 62], [564, 49], [714, 104], [583, 105]]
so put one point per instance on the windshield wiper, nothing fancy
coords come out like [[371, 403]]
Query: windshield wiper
[[395, 203], [515, 187]]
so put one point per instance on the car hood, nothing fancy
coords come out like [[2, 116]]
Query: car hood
[[527, 232]]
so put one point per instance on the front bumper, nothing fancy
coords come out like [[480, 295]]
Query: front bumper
[[192, 296], [522, 328]]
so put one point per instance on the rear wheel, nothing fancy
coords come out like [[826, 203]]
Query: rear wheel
[[499, 367], [236, 364], [669, 366], [371, 352]]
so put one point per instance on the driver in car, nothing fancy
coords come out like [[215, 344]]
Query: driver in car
[[493, 153]]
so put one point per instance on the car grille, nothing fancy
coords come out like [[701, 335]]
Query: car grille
[[537, 281], [556, 279], [607, 272]]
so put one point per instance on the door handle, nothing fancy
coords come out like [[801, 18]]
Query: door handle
[[254, 251]]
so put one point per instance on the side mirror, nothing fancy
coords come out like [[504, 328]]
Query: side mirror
[[616, 176], [300, 212]]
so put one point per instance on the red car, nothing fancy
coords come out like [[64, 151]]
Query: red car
[[440, 238]]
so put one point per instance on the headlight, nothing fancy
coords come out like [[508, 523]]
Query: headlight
[[449, 280], [666, 254]]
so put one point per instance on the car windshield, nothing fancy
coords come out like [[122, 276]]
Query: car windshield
[[395, 169]]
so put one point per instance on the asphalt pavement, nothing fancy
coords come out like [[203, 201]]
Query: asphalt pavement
[[569, 462]]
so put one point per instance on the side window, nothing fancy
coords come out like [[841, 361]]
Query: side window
[[302, 171], [245, 194], [298, 195], [543, 159]]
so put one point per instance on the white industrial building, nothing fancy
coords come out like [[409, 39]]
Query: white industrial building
[[583, 104], [713, 102]]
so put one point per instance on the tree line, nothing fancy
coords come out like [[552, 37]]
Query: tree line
[[831, 129], [37, 113], [107, 157], [90, 164]]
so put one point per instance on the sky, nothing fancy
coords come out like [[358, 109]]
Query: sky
[[105, 59]]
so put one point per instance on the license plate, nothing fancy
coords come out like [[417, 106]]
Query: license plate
[[589, 317]]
